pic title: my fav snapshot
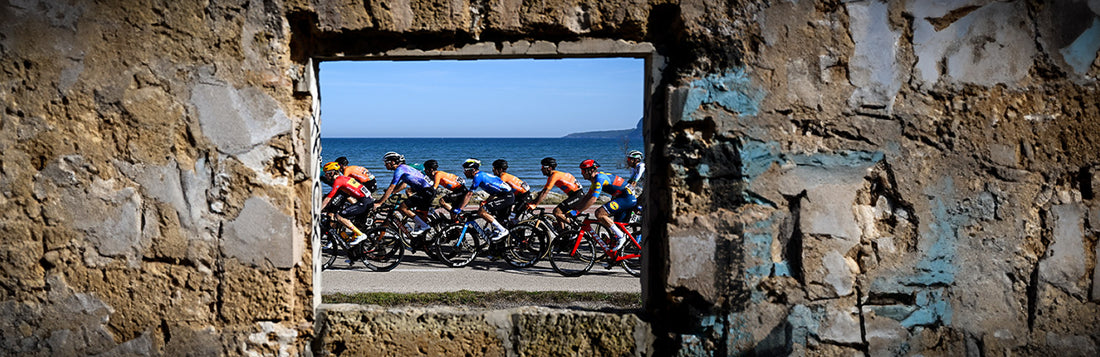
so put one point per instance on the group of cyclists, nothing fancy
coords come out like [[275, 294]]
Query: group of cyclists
[[352, 187]]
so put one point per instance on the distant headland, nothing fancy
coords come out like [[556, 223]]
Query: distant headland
[[635, 133]]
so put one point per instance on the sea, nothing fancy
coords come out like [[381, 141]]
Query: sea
[[523, 154]]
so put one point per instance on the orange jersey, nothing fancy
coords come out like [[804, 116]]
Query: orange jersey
[[563, 180], [517, 184], [447, 180], [358, 173]]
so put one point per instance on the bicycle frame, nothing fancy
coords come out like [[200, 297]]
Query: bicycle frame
[[586, 228]]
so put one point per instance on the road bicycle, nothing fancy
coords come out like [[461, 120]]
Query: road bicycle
[[574, 251], [378, 252], [459, 244], [400, 226]]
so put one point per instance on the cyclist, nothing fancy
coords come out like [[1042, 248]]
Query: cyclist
[[622, 198], [500, 198], [358, 173], [637, 168], [449, 181], [359, 199], [519, 188], [421, 192], [566, 182]]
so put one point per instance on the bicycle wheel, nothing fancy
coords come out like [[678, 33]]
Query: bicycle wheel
[[457, 245], [383, 249], [328, 255], [524, 245], [572, 255], [632, 251]]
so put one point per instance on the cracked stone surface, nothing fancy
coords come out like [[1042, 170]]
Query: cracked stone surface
[[925, 171]]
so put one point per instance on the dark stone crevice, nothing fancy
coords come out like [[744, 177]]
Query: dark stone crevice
[[792, 251]]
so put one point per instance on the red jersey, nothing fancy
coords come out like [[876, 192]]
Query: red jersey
[[349, 186]]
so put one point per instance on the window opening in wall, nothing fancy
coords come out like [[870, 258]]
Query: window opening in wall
[[521, 111]]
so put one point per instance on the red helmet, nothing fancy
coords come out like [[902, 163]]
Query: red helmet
[[589, 164]]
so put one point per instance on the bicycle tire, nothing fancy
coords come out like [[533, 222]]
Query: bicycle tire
[[569, 262], [524, 245], [383, 250], [633, 265], [456, 249]]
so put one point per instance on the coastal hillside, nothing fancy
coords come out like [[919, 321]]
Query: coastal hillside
[[635, 133]]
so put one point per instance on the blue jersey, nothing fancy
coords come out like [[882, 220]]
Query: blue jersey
[[491, 184], [610, 184], [410, 176]]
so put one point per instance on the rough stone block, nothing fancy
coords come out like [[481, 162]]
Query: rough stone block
[[692, 264], [478, 49], [984, 46], [1063, 265], [1071, 345], [885, 335], [111, 219], [828, 273], [1005, 155], [841, 324], [236, 120], [542, 48], [827, 208], [261, 233], [873, 67]]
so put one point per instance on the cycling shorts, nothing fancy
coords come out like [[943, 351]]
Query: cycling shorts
[[571, 201], [521, 202], [354, 210], [455, 197], [420, 200], [620, 207], [499, 205]]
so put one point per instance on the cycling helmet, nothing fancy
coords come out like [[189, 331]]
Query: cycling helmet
[[500, 164], [343, 161], [589, 164], [551, 162], [471, 164], [431, 165], [331, 166], [392, 156], [634, 154], [417, 167]]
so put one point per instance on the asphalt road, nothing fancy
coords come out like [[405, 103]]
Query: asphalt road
[[418, 273]]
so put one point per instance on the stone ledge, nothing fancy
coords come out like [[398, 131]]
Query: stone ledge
[[348, 329]]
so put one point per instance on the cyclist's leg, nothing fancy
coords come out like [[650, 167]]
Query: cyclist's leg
[[352, 211]]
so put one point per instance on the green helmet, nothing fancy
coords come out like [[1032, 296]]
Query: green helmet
[[418, 167]]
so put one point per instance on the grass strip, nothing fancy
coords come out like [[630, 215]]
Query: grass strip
[[489, 298]]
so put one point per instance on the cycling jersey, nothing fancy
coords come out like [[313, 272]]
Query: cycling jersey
[[610, 184], [491, 184], [636, 173], [349, 186], [447, 180], [415, 179], [563, 180], [359, 173], [517, 185]]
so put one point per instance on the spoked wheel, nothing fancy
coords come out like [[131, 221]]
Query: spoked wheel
[[633, 251], [336, 255], [383, 250], [524, 245], [571, 255], [456, 245]]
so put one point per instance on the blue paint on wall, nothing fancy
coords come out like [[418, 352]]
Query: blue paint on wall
[[733, 90], [1082, 52]]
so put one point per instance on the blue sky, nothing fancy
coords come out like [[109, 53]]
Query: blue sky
[[483, 98]]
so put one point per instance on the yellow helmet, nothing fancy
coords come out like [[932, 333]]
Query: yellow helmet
[[331, 166]]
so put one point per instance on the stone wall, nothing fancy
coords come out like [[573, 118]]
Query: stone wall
[[826, 177]]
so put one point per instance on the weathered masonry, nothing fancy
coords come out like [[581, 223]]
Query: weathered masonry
[[826, 177]]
